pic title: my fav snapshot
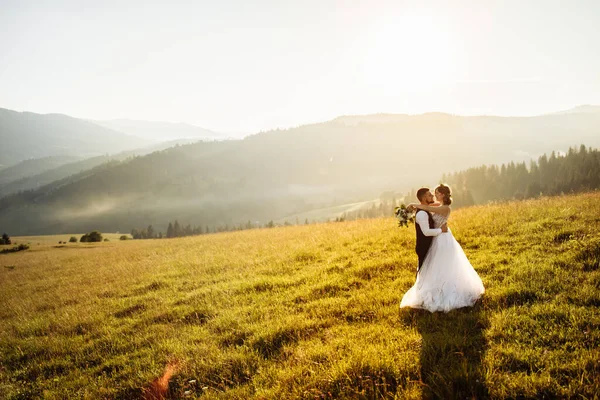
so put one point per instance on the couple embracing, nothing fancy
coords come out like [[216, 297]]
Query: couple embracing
[[445, 278]]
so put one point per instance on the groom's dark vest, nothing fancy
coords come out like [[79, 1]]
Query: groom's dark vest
[[423, 242]]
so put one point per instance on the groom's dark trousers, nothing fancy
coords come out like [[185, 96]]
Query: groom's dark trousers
[[423, 242]]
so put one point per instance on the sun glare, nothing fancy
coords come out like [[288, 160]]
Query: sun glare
[[410, 52]]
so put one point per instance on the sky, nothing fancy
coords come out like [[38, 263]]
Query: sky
[[247, 66]]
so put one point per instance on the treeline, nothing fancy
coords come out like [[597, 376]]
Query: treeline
[[576, 171], [385, 208], [146, 233], [178, 230]]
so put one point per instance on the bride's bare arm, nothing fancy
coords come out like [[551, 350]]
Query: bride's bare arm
[[443, 209]]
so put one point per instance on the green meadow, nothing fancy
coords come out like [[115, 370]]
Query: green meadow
[[308, 312]]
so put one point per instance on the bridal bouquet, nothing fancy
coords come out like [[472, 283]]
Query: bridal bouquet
[[403, 215]]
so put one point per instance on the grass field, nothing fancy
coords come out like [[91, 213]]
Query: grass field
[[309, 312]]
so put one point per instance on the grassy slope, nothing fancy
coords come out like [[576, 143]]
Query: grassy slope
[[310, 311]]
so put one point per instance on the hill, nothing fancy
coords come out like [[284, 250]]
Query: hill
[[309, 311], [161, 131], [32, 167], [285, 173], [587, 108], [26, 135], [68, 172], [577, 170]]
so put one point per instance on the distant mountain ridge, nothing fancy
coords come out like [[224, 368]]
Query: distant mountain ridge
[[586, 108], [161, 131], [43, 172], [283, 173], [32, 167], [26, 135]]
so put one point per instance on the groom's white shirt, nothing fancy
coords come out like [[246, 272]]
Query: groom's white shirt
[[423, 220]]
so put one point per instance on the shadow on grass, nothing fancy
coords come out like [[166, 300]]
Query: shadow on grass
[[452, 349]]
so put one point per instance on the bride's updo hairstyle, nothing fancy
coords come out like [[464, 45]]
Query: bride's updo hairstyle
[[445, 190]]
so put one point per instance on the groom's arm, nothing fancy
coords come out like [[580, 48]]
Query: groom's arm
[[423, 220]]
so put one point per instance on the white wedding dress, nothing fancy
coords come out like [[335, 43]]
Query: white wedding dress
[[446, 279]]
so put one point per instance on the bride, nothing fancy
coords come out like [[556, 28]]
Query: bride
[[446, 280]]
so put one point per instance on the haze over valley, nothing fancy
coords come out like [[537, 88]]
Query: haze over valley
[[282, 175]]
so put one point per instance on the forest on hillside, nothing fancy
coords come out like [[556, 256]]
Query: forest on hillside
[[282, 175], [577, 170]]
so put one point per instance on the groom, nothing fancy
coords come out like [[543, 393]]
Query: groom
[[425, 226]]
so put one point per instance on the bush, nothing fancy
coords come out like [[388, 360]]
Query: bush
[[5, 239], [124, 237], [94, 236], [106, 240], [73, 239], [20, 247]]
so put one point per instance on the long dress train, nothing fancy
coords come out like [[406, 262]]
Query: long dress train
[[446, 279]]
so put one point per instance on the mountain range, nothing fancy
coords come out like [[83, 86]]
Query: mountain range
[[37, 172], [26, 136], [33, 166], [281, 173], [160, 131]]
